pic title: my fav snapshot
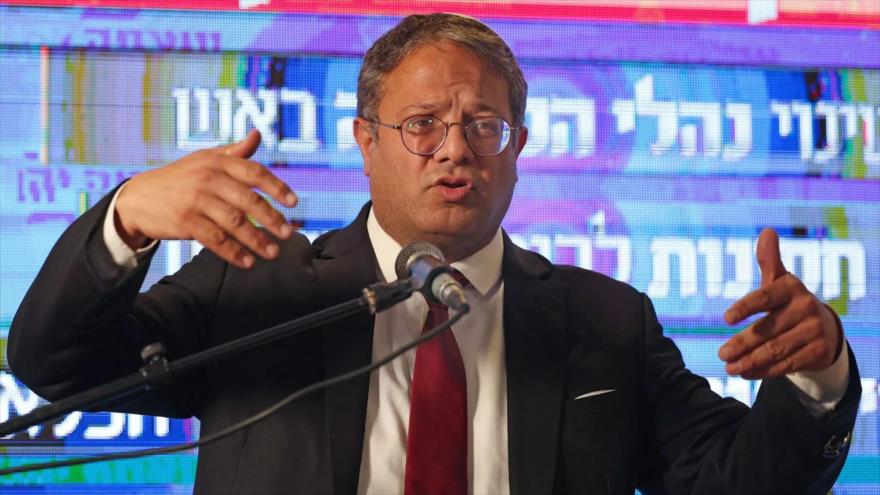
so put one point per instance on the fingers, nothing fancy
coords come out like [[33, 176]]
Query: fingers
[[244, 148], [794, 335], [760, 300], [244, 201], [225, 199], [768, 327], [232, 200], [255, 175], [779, 352], [769, 257], [794, 355], [750, 339], [252, 173], [210, 235], [235, 223], [798, 360], [211, 196]]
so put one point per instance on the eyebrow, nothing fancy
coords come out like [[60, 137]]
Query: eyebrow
[[407, 110], [417, 108], [431, 107]]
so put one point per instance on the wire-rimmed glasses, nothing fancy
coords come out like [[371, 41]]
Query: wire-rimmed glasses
[[424, 134]]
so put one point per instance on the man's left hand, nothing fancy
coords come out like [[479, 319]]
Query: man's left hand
[[798, 332]]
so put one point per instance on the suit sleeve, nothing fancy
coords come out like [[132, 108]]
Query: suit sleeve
[[705, 444], [83, 322]]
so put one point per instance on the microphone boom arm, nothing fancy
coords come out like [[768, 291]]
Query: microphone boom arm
[[158, 371]]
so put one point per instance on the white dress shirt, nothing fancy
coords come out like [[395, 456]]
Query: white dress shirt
[[480, 338]]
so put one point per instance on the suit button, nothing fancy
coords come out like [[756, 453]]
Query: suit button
[[835, 444]]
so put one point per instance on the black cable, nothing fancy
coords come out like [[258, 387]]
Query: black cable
[[265, 413]]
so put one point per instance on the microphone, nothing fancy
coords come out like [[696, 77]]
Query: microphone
[[423, 263]]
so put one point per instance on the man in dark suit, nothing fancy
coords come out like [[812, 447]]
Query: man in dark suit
[[562, 377]]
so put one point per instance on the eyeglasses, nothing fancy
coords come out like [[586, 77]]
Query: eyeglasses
[[424, 134]]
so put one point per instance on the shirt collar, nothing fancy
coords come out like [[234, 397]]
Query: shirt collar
[[482, 268]]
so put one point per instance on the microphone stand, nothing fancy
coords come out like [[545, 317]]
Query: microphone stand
[[158, 371]]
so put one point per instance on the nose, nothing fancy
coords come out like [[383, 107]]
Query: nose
[[456, 148]]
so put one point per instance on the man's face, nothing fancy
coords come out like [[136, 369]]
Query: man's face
[[453, 198]]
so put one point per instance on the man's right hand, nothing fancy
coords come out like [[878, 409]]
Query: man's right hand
[[207, 196]]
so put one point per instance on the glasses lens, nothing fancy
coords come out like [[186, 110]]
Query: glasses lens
[[422, 134], [488, 135]]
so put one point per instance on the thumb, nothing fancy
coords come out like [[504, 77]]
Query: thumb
[[769, 258], [244, 148]]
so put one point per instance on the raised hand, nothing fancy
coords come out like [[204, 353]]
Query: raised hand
[[207, 196], [797, 333]]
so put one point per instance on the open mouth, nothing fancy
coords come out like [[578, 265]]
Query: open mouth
[[454, 183], [453, 189]]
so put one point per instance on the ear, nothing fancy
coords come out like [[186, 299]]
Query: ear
[[366, 140], [522, 136]]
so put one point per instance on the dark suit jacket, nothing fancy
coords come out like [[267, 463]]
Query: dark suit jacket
[[567, 331]]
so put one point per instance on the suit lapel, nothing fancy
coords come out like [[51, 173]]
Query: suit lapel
[[345, 264], [534, 339]]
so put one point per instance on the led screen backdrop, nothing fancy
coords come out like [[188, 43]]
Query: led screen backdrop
[[660, 144]]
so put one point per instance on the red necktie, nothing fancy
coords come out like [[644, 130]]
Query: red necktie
[[436, 444]]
